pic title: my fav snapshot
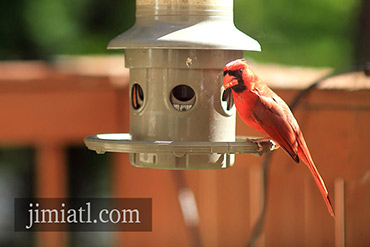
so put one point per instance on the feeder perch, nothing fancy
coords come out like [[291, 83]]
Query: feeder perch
[[180, 115]]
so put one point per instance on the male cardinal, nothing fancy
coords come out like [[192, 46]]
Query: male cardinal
[[263, 110]]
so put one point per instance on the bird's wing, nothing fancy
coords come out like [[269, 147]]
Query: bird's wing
[[276, 119]]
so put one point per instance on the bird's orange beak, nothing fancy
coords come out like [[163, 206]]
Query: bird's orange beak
[[230, 81]]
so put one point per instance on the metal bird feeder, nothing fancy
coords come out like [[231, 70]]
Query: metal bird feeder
[[180, 116]]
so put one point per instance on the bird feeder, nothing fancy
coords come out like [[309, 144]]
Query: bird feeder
[[180, 115]]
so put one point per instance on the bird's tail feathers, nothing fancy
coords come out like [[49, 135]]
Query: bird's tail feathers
[[305, 156]]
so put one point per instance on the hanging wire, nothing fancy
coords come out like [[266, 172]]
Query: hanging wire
[[258, 227]]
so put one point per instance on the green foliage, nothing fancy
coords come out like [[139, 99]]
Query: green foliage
[[301, 32], [43, 28], [311, 32]]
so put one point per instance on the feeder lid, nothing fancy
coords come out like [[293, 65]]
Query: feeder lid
[[209, 33], [122, 142]]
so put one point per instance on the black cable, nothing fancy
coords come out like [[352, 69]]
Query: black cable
[[365, 68], [258, 227]]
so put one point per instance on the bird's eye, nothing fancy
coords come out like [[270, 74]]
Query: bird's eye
[[241, 70]]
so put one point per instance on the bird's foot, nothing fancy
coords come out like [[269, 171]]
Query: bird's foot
[[259, 141]]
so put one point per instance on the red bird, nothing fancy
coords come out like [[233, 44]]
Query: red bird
[[263, 110]]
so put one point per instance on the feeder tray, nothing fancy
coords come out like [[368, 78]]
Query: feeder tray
[[123, 143]]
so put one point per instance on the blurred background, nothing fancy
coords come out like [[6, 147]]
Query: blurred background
[[59, 84], [311, 33]]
